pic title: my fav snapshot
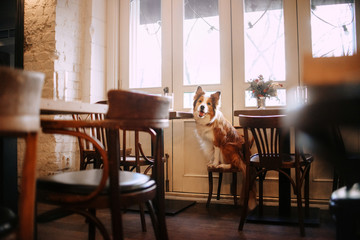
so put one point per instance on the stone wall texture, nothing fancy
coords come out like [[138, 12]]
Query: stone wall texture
[[66, 40]]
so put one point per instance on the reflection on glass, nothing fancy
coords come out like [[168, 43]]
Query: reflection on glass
[[201, 42], [264, 46], [7, 46], [145, 43], [333, 28], [7, 32]]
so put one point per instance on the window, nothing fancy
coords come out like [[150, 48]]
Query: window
[[207, 42], [145, 44], [333, 28], [264, 46], [201, 42]]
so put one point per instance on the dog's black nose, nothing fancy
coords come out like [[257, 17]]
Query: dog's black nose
[[202, 107]]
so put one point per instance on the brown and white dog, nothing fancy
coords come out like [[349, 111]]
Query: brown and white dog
[[219, 140]]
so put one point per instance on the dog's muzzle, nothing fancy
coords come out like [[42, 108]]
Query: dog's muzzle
[[201, 112]]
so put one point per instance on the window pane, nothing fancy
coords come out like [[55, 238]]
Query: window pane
[[264, 45], [264, 40], [201, 42], [333, 28], [280, 101], [145, 44]]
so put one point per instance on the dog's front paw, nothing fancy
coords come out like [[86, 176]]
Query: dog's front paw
[[212, 165], [224, 166]]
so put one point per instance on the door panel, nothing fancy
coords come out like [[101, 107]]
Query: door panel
[[189, 163]]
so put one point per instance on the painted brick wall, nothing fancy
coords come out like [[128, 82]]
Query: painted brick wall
[[65, 39]]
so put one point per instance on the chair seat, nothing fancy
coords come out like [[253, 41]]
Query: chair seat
[[343, 197], [131, 161], [84, 182], [289, 161], [217, 169], [345, 209], [8, 221]]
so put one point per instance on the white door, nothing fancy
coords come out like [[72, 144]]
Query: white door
[[202, 57], [178, 45]]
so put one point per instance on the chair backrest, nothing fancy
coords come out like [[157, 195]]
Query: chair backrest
[[20, 95], [88, 152], [135, 111], [268, 136], [136, 107], [132, 155], [96, 132]]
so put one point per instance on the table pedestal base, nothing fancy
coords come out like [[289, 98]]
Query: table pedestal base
[[271, 215]]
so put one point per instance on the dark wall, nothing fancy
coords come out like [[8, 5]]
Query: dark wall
[[11, 54]]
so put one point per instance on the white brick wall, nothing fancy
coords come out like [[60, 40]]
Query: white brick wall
[[65, 39]]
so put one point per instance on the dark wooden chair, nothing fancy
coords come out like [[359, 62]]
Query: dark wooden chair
[[88, 153], [129, 160], [269, 135], [20, 94], [221, 171], [84, 191]]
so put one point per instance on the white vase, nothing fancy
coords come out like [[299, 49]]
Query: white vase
[[261, 102]]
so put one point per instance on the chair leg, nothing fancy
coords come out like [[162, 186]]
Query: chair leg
[[335, 181], [219, 186], [142, 217], [261, 195], [299, 203], [246, 192], [210, 177], [92, 229], [153, 218], [306, 193], [27, 195], [234, 187]]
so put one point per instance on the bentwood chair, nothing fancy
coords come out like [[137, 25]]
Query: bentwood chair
[[129, 161], [88, 153], [84, 191], [221, 171], [20, 93], [269, 135]]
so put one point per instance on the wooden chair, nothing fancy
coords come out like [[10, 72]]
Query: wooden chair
[[84, 191], [88, 153], [221, 171], [128, 161], [269, 136], [20, 93]]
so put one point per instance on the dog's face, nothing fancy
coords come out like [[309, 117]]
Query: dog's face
[[204, 108]]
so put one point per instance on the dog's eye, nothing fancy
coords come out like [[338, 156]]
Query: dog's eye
[[200, 101], [208, 103]]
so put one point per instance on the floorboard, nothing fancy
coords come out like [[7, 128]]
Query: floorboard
[[219, 221]]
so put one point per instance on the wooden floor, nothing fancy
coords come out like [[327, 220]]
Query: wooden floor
[[197, 222]]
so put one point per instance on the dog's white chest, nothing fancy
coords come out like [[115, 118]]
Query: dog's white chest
[[206, 133]]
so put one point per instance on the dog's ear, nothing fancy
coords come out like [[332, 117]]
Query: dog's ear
[[215, 98], [199, 92]]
